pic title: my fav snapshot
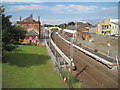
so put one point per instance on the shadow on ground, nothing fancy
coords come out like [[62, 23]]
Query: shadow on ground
[[24, 59]]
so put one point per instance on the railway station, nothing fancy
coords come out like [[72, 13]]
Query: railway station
[[83, 57], [71, 45]]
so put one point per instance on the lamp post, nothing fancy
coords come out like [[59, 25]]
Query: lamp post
[[117, 59], [109, 46], [108, 49], [43, 31]]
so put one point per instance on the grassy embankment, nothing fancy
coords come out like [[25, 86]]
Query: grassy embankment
[[29, 67]]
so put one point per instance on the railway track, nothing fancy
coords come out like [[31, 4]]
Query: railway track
[[96, 75]]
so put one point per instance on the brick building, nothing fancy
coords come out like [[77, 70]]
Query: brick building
[[33, 29], [82, 31]]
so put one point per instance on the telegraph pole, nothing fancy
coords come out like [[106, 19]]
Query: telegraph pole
[[86, 38], [71, 53], [76, 32], [39, 30]]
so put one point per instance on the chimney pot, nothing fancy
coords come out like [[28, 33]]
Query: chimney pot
[[20, 18], [38, 18], [31, 17]]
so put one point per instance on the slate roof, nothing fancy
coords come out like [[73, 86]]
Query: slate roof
[[32, 33], [115, 23], [73, 27], [69, 31], [28, 20], [79, 28]]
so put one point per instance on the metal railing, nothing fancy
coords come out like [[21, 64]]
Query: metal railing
[[56, 61]]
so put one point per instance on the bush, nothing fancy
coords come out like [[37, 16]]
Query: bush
[[11, 34], [70, 78], [9, 47]]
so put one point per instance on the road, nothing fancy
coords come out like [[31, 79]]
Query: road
[[96, 75]]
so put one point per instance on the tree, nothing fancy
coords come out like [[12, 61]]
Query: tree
[[11, 34], [71, 23], [46, 25]]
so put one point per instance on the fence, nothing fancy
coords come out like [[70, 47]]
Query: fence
[[60, 65], [85, 43], [56, 62]]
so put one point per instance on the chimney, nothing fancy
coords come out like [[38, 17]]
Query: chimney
[[38, 18], [20, 18], [31, 17]]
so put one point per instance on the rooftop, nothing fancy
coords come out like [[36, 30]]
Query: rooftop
[[28, 20], [32, 33]]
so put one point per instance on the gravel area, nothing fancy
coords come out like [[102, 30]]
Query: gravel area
[[100, 43]]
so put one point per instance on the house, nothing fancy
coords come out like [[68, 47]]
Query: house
[[104, 27], [31, 37], [69, 32], [33, 28], [114, 28], [108, 27], [93, 29], [82, 31]]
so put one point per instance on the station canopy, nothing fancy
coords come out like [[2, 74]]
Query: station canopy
[[70, 31]]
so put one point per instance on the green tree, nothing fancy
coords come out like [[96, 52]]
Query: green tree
[[46, 25], [11, 34], [71, 23]]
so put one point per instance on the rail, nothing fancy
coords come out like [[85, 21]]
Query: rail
[[102, 60], [60, 52]]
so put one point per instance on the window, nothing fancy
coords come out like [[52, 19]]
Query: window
[[33, 38], [27, 38], [27, 25], [85, 33], [113, 27], [104, 26]]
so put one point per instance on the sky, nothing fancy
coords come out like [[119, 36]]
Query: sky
[[62, 12]]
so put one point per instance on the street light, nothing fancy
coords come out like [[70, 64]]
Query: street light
[[108, 49], [43, 31], [117, 59]]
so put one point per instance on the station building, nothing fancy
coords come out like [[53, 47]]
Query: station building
[[33, 29]]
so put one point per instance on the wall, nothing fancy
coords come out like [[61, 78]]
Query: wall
[[100, 30], [29, 27], [114, 28]]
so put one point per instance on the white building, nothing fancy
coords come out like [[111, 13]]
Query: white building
[[114, 28], [108, 27]]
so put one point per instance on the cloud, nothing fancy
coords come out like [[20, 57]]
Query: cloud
[[109, 8], [21, 1], [60, 9], [59, 1], [108, 11], [26, 7], [73, 9]]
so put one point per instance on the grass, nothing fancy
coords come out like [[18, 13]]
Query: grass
[[29, 67], [71, 82]]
